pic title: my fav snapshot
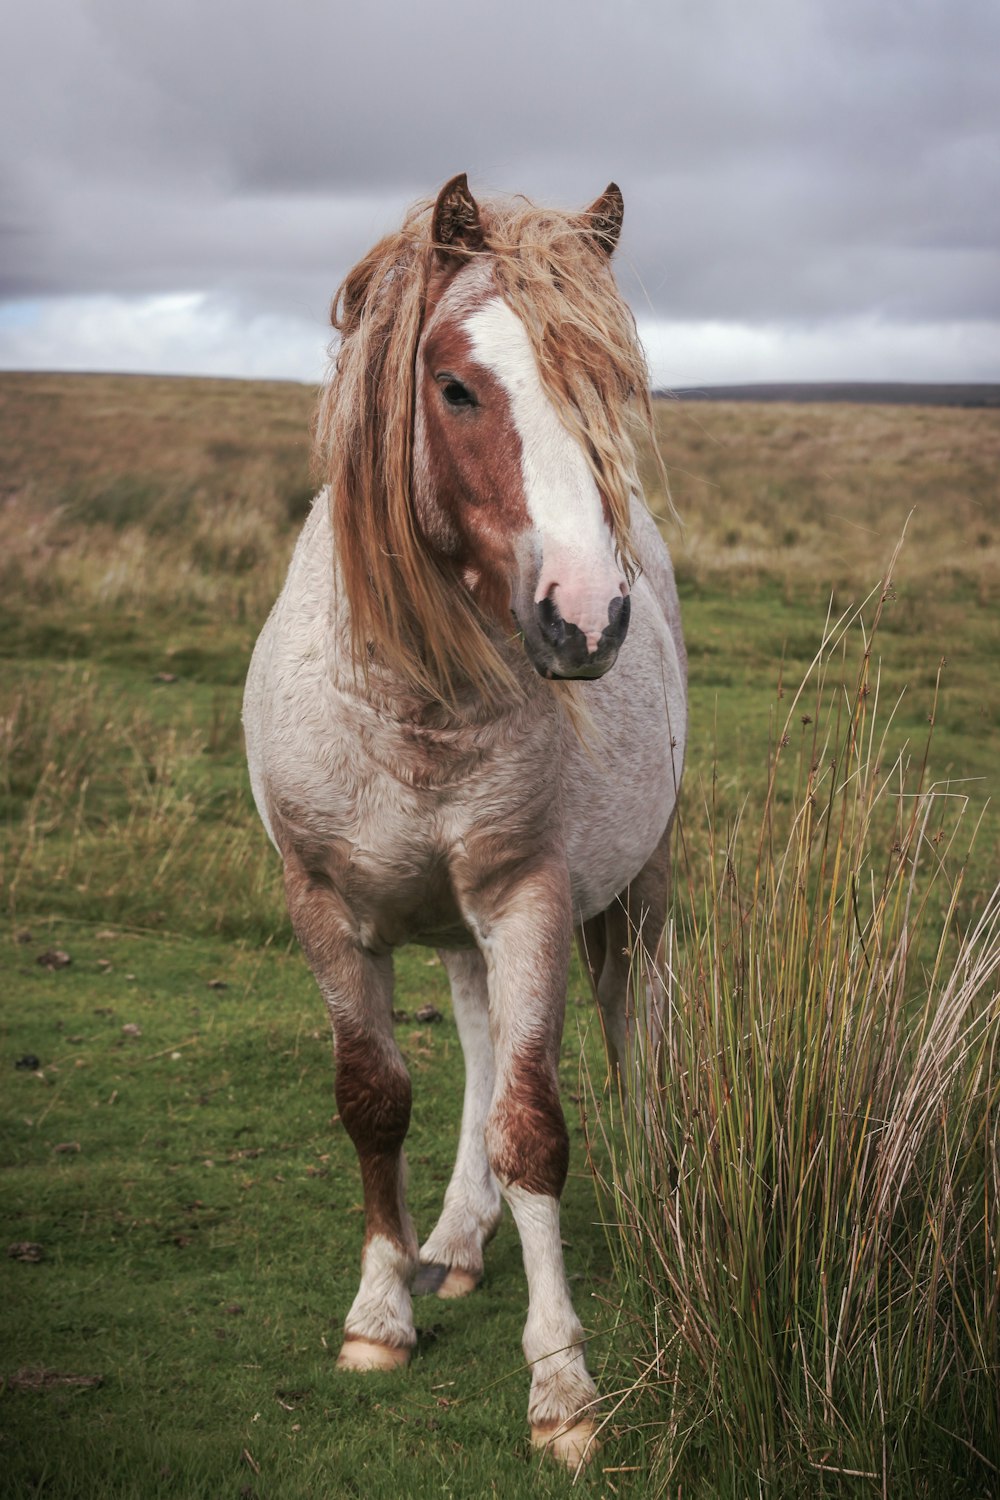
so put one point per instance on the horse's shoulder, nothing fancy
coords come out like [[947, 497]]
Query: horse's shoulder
[[658, 574]]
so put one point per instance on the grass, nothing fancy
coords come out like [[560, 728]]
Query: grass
[[144, 529], [198, 1212]]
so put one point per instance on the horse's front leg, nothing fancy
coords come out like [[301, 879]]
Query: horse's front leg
[[373, 1098], [451, 1261], [525, 933]]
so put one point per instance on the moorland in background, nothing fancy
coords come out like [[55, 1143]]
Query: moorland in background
[[856, 392], [170, 1147]]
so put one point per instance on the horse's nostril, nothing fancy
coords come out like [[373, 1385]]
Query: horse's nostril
[[619, 614], [551, 622], [615, 631]]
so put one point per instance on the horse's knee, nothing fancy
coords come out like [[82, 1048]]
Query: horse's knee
[[373, 1093], [373, 1097], [526, 1136]]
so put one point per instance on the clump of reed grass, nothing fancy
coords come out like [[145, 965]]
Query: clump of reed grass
[[806, 1209]]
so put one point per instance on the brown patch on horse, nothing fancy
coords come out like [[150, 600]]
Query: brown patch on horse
[[319, 915], [471, 450], [527, 1136], [374, 1096], [372, 1088], [373, 1092]]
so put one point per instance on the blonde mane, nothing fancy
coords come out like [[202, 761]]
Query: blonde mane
[[408, 611]]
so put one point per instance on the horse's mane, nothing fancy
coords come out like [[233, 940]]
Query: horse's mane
[[407, 611]]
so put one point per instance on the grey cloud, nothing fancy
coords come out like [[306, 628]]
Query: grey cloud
[[795, 159]]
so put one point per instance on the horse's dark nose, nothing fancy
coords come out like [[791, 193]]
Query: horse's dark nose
[[566, 647]]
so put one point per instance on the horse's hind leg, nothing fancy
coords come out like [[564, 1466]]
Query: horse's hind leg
[[622, 960], [451, 1262], [373, 1097], [594, 939]]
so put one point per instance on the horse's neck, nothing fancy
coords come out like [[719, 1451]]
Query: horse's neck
[[421, 740], [373, 691], [425, 740]]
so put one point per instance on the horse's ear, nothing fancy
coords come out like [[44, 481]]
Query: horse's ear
[[604, 218], [456, 228]]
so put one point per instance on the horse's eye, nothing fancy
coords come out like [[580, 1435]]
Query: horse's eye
[[456, 394]]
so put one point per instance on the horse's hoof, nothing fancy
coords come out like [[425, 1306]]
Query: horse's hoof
[[428, 1278], [446, 1281], [573, 1446], [457, 1283], [364, 1354]]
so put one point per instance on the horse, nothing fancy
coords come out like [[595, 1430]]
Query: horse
[[465, 722]]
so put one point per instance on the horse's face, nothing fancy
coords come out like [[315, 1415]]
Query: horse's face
[[505, 491]]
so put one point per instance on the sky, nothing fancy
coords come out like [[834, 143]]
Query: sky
[[812, 187]]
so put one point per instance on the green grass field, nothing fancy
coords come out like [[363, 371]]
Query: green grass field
[[175, 1155]]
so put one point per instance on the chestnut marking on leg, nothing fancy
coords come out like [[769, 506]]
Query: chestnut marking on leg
[[373, 1096], [529, 1151], [526, 1133]]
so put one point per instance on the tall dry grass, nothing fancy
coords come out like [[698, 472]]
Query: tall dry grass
[[118, 815], [127, 493], [118, 489], [818, 493]]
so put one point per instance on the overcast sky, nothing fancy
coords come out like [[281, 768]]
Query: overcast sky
[[812, 187]]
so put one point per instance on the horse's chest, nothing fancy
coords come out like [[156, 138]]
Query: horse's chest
[[386, 847], [397, 879]]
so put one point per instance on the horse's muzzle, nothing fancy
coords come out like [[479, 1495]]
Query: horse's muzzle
[[558, 648]]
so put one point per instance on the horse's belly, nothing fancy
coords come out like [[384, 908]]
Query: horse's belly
[[609, 842]]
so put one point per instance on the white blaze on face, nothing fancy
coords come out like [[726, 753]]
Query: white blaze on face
[[578, 569]]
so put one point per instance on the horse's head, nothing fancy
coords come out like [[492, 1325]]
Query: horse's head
[[502, 486], [476, 435]]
